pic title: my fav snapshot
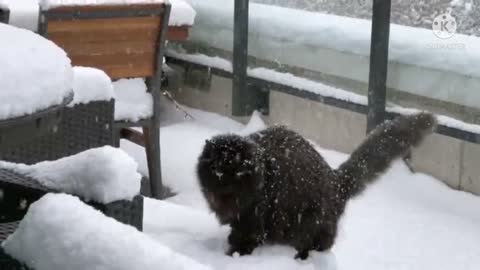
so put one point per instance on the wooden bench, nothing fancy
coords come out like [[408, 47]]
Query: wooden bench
[[125, 41]]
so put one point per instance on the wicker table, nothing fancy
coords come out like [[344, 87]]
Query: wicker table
[[25, 128], [82, 127]]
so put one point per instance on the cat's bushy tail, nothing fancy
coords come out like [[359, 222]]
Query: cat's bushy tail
[[389, 141]]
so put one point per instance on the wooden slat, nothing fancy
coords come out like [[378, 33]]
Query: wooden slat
[[122, 47], [178, 33], [119, 72], [115, 25], [133, 136], [90, 8], [119, 66], [107, 36]]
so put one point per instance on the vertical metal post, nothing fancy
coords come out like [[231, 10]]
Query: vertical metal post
[[241, 96], [4, 15], [377, 85]]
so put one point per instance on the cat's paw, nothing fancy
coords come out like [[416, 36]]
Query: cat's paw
[[241, 251], [302, 255]]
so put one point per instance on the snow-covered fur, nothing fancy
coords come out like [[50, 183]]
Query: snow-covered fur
[[274, 187]]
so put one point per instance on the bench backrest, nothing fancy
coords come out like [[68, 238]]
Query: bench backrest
[[122, 40]]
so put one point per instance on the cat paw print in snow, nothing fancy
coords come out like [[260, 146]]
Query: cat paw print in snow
[[445, 25]]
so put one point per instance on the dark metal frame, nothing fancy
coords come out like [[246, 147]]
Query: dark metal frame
[[152, 132], [100, 14], [4, 15], [246, 97], [377, 87], [151, 127], [240, 91]]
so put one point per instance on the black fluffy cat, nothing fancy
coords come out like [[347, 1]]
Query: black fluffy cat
[[273, 187]]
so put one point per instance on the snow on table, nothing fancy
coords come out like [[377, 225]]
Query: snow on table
[[132, 101], [104, 174], [35, 74], [61, 232], [91, 84]]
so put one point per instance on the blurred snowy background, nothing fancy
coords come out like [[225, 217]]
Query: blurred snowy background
[[416, 13]]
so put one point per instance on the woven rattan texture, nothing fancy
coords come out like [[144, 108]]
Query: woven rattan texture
[[83, 127]]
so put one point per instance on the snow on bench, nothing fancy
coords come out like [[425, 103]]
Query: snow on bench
[[61, 232], [181, 14], [34, 73], [104, 174], [25, 13], [91, 84], [132, 102]]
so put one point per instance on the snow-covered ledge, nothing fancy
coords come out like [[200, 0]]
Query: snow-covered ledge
[[420, 63]]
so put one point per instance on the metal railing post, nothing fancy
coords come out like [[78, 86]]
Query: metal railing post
[[377, 83], [241, 95], [4, 15]]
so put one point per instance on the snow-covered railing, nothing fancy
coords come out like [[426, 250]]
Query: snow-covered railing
[[309, 89], [420, 63]]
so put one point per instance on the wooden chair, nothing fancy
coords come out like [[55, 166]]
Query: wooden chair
[[125, 41]]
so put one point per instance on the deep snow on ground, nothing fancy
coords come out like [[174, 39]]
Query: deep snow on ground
[[405, 221], [60, 232]]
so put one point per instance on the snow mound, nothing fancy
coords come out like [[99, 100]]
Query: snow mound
[[132, 101], [206, 241], [182, 13], [91, 84], [35, 73], [103, 174], [255, 124], [61, 232]]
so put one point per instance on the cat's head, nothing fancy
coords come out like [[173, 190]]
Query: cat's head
[[229, 175]]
